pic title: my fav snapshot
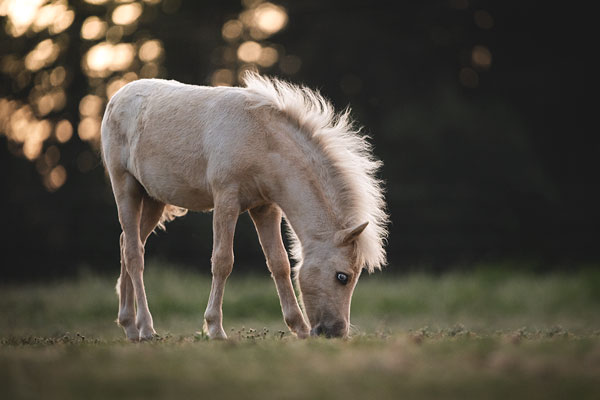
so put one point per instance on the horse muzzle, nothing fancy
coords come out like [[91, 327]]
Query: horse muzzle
[[337, 329]]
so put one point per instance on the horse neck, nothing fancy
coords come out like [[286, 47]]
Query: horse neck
[[306, 209]]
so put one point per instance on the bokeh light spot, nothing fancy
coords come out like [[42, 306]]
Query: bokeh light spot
[[52, 156], [127, 14], [45, 53], [481, 57], [63, 131], [114, 34], [149, 70], [104, 57], [90, 106], [222, 77], [58, 76], [21, 14], [268, 57], [64, 20], [56, 178], [89, 128], [249, 51], [232, 29], [93, 28], [270, 18], [54, 16], [150, 50], [37, 133]]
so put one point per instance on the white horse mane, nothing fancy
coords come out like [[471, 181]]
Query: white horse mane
[[349, 166]]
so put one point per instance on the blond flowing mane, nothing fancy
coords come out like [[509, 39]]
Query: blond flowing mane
[[350, 167]]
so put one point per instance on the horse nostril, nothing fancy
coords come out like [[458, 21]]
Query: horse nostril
[[338, 329]]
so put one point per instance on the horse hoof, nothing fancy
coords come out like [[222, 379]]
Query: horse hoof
[[149, 336], [302, 334], [219, 335]]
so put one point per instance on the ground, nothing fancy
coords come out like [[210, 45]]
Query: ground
[[490, 333]]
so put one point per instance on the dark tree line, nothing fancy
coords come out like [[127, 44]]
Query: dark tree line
[[476, 108]]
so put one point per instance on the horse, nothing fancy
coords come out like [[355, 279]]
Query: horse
[[272, 148]]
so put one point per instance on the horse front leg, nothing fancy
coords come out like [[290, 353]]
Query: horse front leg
[[267, 220], [225, 216]]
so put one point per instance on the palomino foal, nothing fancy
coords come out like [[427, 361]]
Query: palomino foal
[[270, 148]]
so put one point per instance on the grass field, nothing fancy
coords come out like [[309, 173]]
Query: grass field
[[484, 334]]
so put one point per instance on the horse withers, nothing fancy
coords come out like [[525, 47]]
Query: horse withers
[[271, 148]]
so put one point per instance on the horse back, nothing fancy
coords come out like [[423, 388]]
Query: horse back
[[184, 142]]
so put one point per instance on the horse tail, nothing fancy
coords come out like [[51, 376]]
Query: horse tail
[[169, 214]]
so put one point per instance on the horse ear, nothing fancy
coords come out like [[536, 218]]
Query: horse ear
[[348, 235]]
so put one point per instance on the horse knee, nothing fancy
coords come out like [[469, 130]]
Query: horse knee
[[222, 263]]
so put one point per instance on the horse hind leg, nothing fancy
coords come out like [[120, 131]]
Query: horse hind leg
[[151, 213], [126, 316], [130, 196]]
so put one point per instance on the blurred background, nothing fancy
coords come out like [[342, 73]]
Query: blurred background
[[476, 108]]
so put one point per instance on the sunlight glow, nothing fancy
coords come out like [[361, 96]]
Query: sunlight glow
[[62, 22], [150, 50], [118, 82], [39, 131], [127, 14], [56, 178], [63, 131], [91, 106], [89, 128], [270, 18], [246, 47], [20, 13], [54, 16], [52, 156], [93, 28], [232, 29], [149, 70], [18, 127], [58, 75], [481, 57], [249, 51], [104, 58], [45, 53], [37, 70], [268, 57], [114, 34], [45, 104], [222, 77]]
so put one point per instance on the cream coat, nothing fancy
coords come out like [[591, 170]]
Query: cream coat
[[272, 149]]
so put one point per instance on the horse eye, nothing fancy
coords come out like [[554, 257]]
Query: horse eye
[[343, 278]]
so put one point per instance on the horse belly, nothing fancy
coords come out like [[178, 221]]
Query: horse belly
[[168, 180]]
